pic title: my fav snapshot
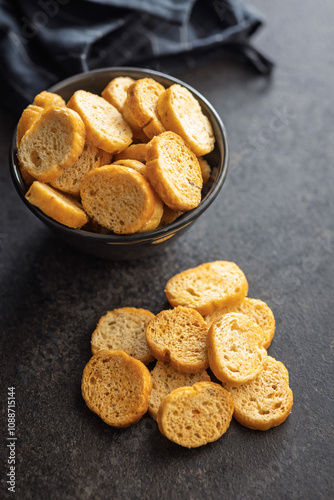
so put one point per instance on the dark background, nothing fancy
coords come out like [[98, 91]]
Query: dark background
[[274, 218]]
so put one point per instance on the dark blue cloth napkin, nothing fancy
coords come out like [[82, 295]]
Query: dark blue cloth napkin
[[44, 41]]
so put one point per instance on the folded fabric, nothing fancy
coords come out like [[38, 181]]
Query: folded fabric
[[44, 41]]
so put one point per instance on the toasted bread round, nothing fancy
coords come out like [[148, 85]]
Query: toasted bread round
[[133, 152], [135, 164], [197, 415], [124, 329], [266, 401], [142, 100], [205, 170], [235, 349], [155, 219], [29, 116], [155, 127], [116, 387], [49, 100], [180, 112], [116, 91], [137, 131], [178, 336], [118, 198], [27, 178], [106, 128], [53, 142], [255, 309], [56, 205], [174, 172], [208, 287], [105, 158], [71, 178], [165, 379]]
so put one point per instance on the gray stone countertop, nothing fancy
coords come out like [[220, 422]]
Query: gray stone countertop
[[273, 217]]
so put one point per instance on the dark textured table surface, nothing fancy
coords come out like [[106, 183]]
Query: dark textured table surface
[[274, 217]]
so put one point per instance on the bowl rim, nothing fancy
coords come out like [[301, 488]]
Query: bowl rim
[[156, 234]]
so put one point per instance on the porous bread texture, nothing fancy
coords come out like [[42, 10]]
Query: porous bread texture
[[208, 287], [142, 100], [255, 309], [124, 329], [116, 387], [174, 172], [56, 205], [106, 127], [53, 142], [180, 112], [47, 100], [197, 415], [169, 215], [205, 170], [29, 116], [178, 336], [105, 158], [71, 178], [133, 152], [235, 349], [118, 198], [266, 401], [165, 379], [116, 91]]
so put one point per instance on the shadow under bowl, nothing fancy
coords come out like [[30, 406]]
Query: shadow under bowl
[[140, 245]]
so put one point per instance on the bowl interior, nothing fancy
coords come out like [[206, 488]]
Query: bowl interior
[[95, 81]]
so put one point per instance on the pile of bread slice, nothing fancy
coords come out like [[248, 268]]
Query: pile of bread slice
[[128, 161], [214, 331]]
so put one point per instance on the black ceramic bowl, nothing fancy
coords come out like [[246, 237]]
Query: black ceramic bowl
[[132, 246]]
